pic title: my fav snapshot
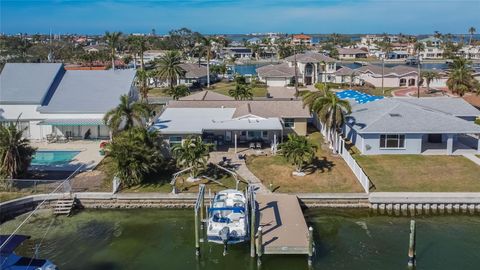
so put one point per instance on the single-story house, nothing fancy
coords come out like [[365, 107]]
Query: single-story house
[[194, 73], [312, 67], [397, 76], [231, 122], [398, 55], [53, 101], [239, 52], [351, 53], [345, 74], [442, 125]]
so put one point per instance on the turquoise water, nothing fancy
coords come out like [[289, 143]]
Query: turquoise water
[[45, 157], [164, 239]]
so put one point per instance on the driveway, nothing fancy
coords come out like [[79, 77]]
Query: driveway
[[281, 92]]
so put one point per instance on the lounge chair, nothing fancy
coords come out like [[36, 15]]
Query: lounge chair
[[259, 145], [252, 145]]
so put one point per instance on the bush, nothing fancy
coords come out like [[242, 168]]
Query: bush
[[477, 121]]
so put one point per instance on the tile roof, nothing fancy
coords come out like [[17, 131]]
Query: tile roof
[[27, 83], [345, 71], [302, 36], [396, 115], [376, 70], [261, 108], [311, 57], [278, 70]]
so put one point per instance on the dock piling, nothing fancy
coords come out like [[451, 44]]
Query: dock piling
[[310, 246], [412, 245], [259, 246], [197, 234]]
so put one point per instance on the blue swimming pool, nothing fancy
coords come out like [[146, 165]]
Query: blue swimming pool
[[359, 97], [49, 157]]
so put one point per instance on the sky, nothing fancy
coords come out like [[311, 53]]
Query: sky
[[239, 17]]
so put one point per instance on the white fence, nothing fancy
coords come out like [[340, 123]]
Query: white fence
[[339, 145]]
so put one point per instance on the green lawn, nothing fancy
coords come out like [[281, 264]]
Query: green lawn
[[329, 173], [378, 91], [158, 92], [6, 196], [419, 173], [223, 87]]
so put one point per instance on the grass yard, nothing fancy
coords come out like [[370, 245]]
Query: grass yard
[[418, 173], [158, 92], [378, 91], [223, 87], [329, 173], [10, 195]]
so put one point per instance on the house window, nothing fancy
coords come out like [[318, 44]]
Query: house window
[[173, 140], [392, 141], [264, 134], [244, 133], [403, 82], [289, 122]]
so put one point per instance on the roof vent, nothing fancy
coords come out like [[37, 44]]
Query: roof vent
[[395, 115]]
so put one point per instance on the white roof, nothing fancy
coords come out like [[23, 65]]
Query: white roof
[[197, 120]]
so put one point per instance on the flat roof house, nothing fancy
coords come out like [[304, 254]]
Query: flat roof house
[[232, 122], [52, 100], [312, 67], [442, 125]]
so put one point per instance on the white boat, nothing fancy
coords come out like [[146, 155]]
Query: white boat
[[227, 222]]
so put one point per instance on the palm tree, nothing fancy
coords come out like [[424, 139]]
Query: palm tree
[[15, 151], [329, 108], [113, 40], [298, 150], [179, 91], [418, 47], [207, 44], [353, 76], [471, 31], [169, 67], [135, 154], [192, 153], [241, 92], [142, 77], [126, 115], [139, 44], [460, 79], [429, 76]]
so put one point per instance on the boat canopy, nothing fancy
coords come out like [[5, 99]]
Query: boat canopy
[[234, 209], [10, 246]]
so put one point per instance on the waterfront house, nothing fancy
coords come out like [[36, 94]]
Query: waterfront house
[[194, 74], [302, 39], [397, 76], [398, 55], [442, 125], [351, 53], [312, 67], [231, 122], [238, 52], [51, 100]]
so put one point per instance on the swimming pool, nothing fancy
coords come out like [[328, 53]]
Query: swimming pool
[[51, 157], [359, 97]]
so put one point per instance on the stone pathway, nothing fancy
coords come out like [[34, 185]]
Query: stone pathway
[[473, 158], [240, 168]]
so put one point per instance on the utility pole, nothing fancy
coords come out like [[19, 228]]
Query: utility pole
[[295, 67], [419, 74], [383, 73]]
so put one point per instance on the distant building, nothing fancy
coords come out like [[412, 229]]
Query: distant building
[[238, 52], [398, 55], [254, 40], [349, 53], [301, 39], [194, 74]]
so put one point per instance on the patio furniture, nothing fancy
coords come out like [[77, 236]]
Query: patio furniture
[[51, 138], [252, 145], [258, 145]]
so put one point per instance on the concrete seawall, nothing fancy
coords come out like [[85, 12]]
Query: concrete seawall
[[385, 203]]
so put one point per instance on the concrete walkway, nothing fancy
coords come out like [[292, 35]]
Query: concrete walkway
[[473, 158], [240, 168]]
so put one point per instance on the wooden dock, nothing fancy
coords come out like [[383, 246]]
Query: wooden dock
[[284, 230]]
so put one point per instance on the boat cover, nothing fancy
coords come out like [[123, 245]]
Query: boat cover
[[12, 243]]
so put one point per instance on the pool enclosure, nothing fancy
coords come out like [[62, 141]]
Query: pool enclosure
[[75, 129]]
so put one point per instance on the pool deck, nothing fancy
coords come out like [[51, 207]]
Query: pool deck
[[284, 230], [88, 156]]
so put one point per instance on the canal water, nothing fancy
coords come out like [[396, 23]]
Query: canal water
[[164, 239]]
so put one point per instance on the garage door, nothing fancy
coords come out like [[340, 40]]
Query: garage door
[[276, 81]]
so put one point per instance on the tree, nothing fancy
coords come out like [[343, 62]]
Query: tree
[[329, 108], [179, 91], [418, 47], [207, 44], [142, 78], [126, 115], [15, 151], [298, 150], [241, 92], [169, 67], [429, 76], [139, 44], [471, 31], [113, 40], [135, 154], [192, 153], [460, 79]]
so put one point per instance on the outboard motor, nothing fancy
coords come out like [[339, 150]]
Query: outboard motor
[[224, 235]]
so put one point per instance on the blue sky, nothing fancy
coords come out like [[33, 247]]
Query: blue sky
[[230, 16]]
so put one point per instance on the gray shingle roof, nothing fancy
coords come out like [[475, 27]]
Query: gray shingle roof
[[376, 70], [449, 105], [262, 108], [345, 71], [194, 70], [392, 115], [89, 91], [26, 83]]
